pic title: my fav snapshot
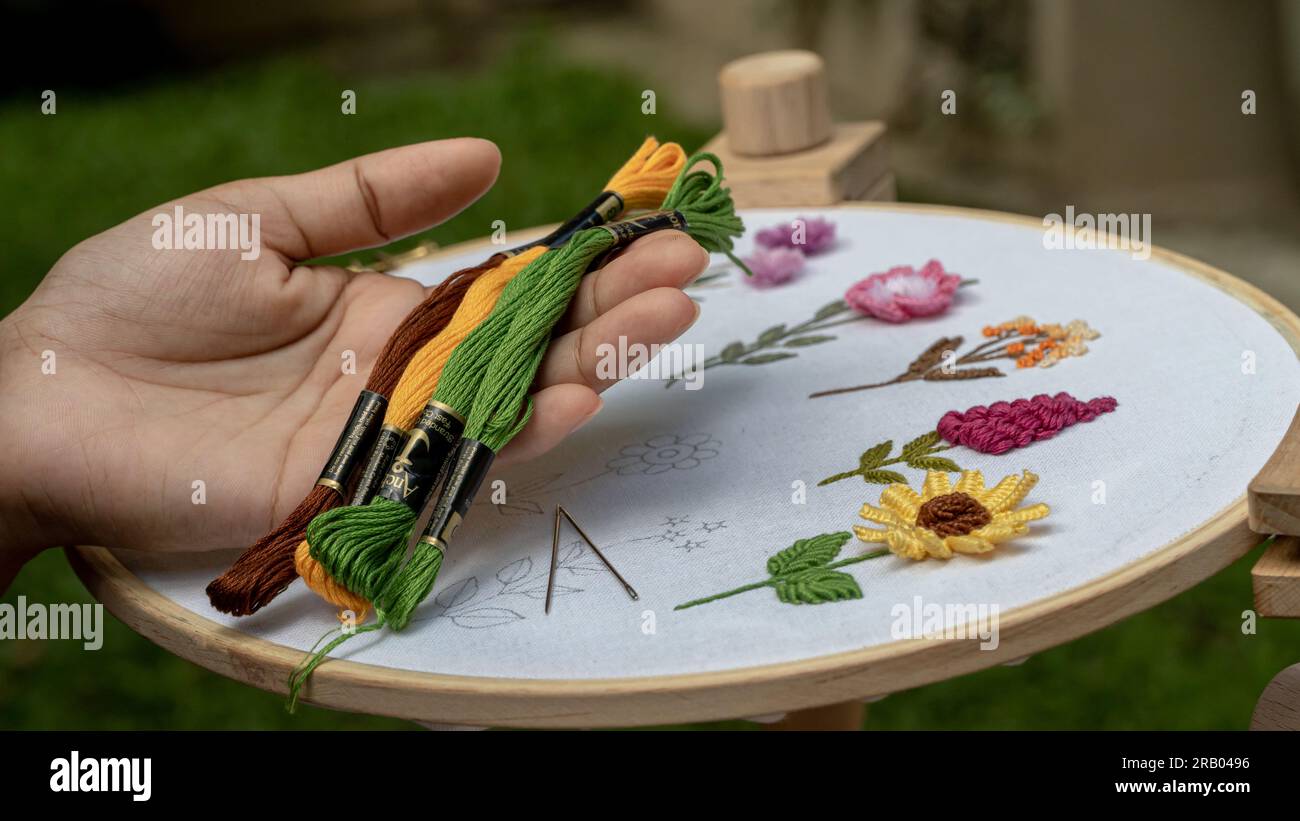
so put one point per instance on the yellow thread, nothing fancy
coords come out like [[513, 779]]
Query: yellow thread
[[421, 376], [971, 482], [934, 546], [644, 180], [936, 484], [995, 499], [969, 544], [902, 500], [325, 586]]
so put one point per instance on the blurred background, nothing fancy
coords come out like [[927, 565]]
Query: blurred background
[[1107, 105]]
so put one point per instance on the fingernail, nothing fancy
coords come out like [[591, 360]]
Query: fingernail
[[600, 403], [695, 316], [704, 266]]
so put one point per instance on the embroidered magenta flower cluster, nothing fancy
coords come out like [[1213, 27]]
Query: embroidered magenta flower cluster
[[1003, 426], [780, 255]]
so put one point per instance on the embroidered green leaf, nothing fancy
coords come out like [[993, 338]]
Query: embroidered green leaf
[[942, 463], [814, 551], [818, 586], [804, 573], [875, 457], [764, 358], [732, 352], [839, 306], [882, 477], [805, 341], [771, 335], [921, 444]]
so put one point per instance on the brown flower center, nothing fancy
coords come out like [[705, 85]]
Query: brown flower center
[[952, 514]]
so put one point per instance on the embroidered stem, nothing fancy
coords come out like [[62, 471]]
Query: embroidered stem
[[785, 578], [738, 353]]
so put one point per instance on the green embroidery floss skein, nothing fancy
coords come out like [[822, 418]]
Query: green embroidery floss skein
[[698, 205]]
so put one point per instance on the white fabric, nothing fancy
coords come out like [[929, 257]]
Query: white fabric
[[1190, 431]]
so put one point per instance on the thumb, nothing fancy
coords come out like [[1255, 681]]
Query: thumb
[[367, 201]]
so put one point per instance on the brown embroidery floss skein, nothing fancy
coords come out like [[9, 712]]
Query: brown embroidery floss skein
[[263, 570]]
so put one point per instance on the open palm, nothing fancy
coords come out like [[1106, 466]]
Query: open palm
[[178, 367]]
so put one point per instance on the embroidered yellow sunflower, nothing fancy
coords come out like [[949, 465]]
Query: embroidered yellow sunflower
[[942, 520]]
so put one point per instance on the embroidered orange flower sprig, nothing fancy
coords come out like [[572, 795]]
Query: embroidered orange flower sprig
[[1034, 345], [943, 520], [1026, 342]]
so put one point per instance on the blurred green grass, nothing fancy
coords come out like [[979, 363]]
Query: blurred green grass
[[561, 128]]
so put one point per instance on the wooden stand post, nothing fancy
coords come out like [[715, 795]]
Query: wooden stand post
[[780, 146], [847, 715], [1279, 706]]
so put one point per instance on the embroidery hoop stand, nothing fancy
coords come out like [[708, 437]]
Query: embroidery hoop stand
[[1274, 502], [824, 692], [792, 155]]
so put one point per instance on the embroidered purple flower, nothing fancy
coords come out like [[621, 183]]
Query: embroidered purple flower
[[903, 292], [812, 236], [773, 266]]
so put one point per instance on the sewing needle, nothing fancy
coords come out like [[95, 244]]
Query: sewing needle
[[560, 509], [555, 551]]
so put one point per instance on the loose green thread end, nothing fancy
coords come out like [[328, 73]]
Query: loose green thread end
[[298, 677]]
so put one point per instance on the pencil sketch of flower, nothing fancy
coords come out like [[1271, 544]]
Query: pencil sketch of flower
[[664, 453], [657, 455]]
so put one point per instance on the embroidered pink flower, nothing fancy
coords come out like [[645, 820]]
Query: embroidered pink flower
[[903, 293], [812, 236], [1004, 426], [773, 266]]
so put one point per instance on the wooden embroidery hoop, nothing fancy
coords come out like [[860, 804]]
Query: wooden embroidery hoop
[[762, 690]]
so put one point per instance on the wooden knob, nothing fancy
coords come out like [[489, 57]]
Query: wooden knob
[[775, 102]]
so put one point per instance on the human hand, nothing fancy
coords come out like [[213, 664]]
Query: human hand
[[173, 367]]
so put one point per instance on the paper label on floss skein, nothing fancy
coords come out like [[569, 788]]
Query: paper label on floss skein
[[473, 458], [629, 230], [353, 442], [414, 471], [390, 440], [598, 212]]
